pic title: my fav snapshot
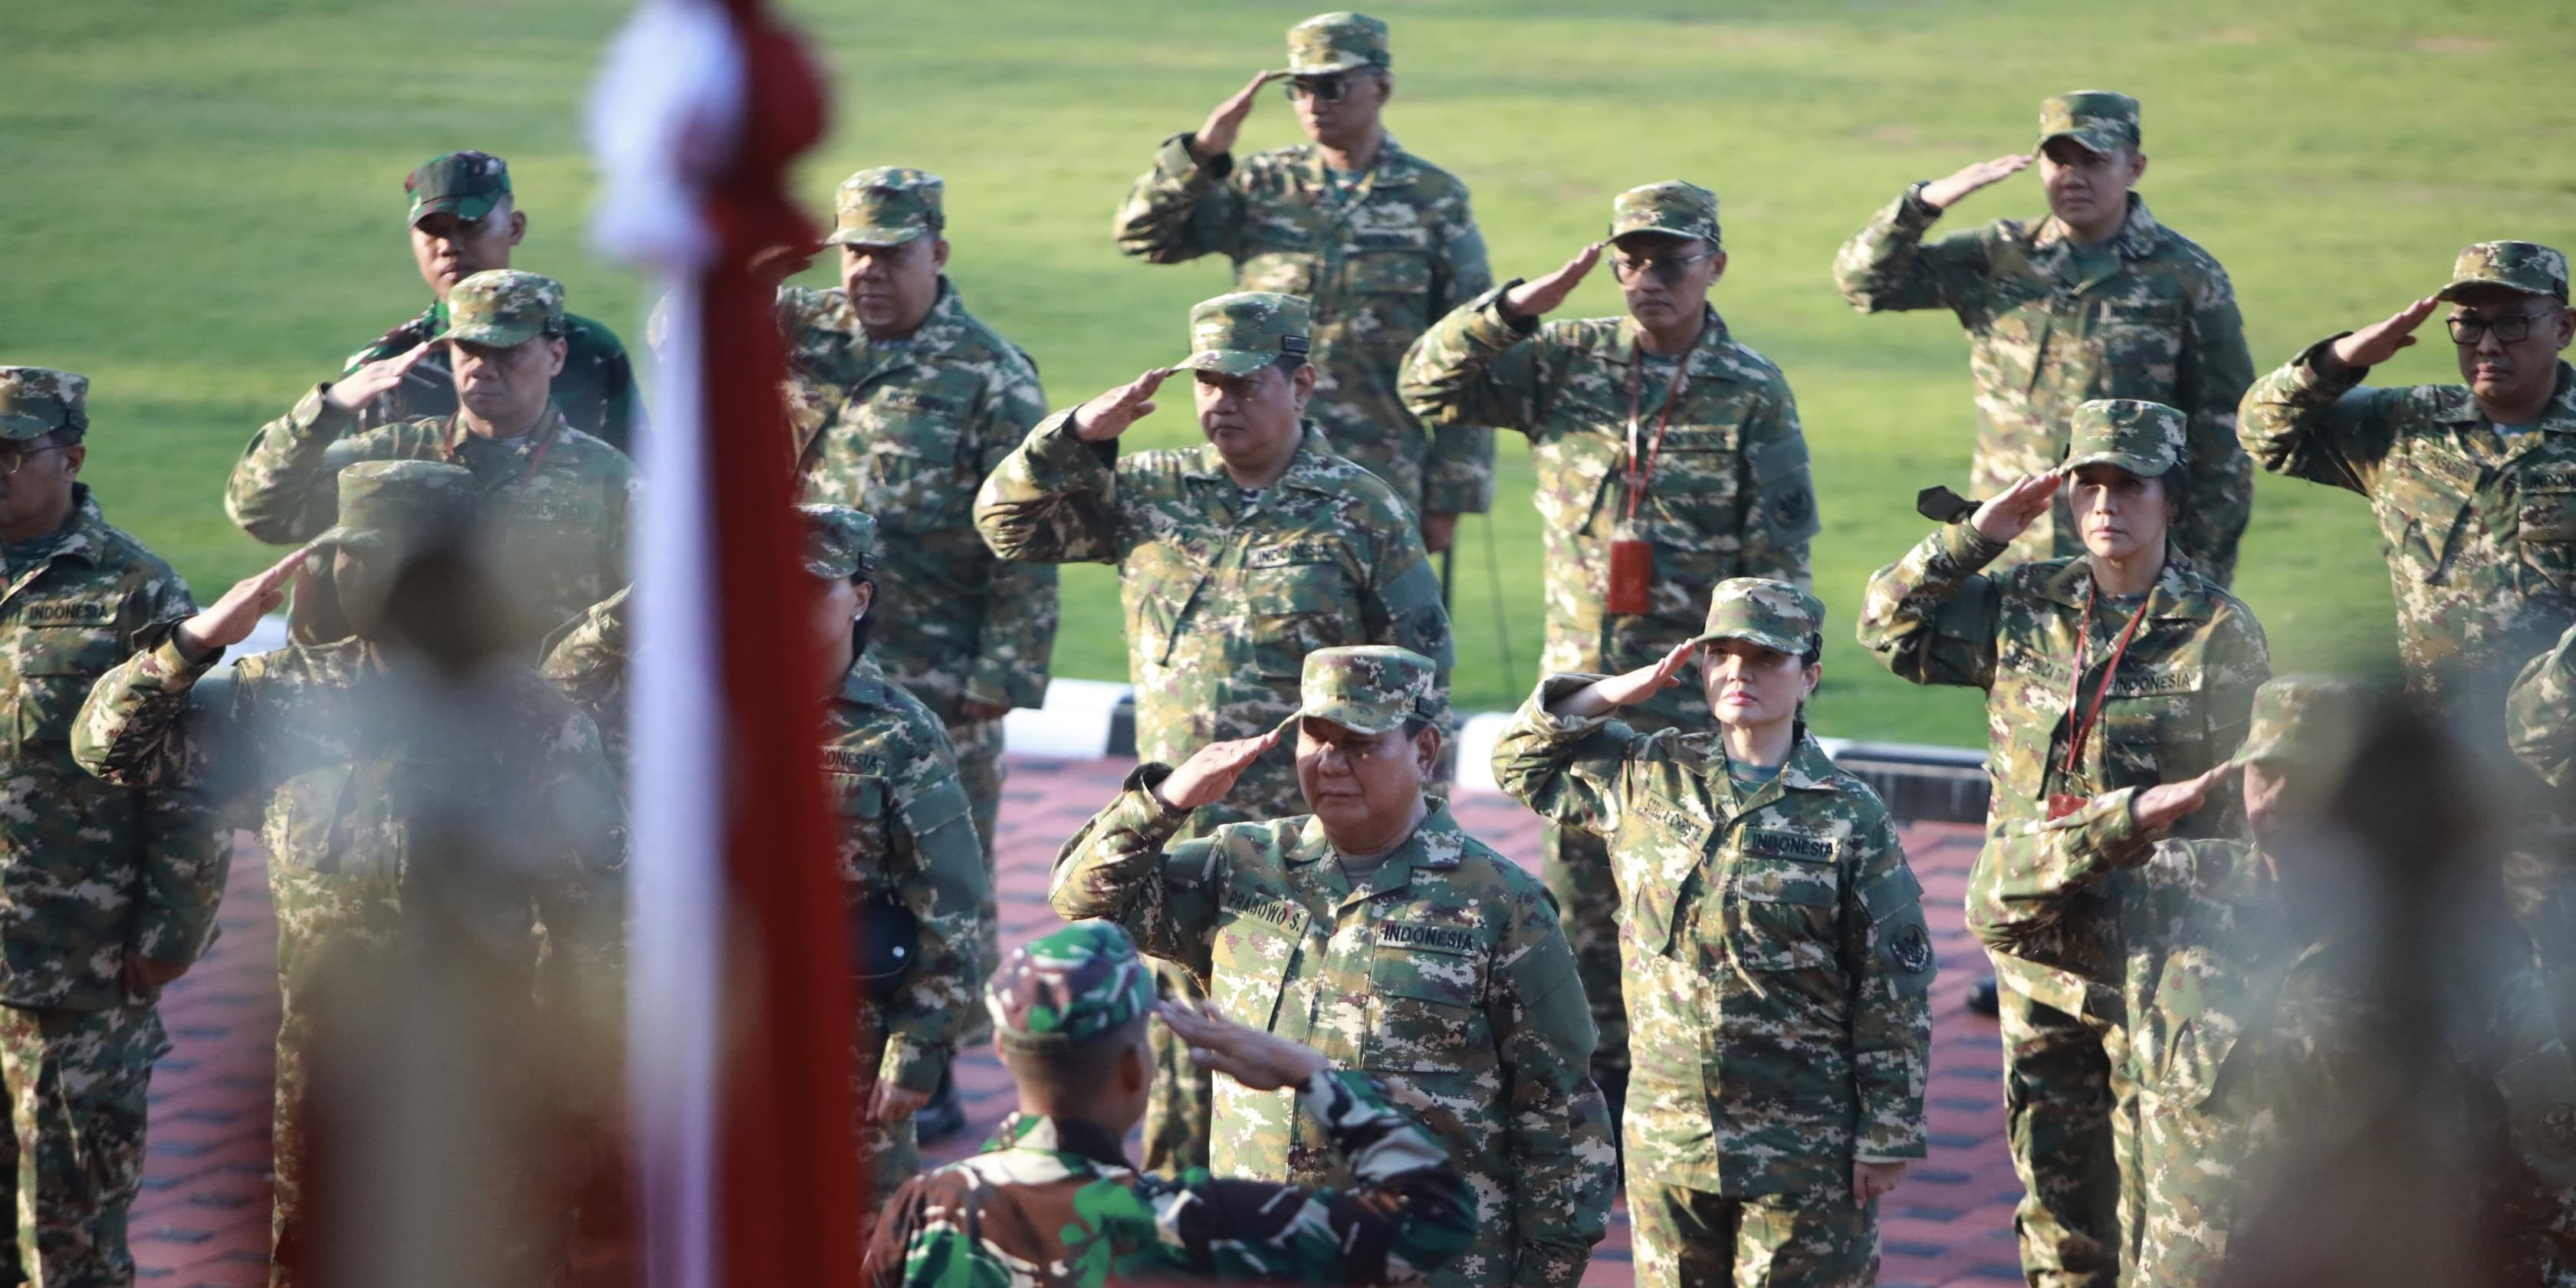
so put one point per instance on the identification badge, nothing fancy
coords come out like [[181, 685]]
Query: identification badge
[[1632, 574], [2061, 804]]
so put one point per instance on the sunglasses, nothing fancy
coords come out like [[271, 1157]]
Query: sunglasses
[[1324, 89], [1665, 269], [2512, 328]]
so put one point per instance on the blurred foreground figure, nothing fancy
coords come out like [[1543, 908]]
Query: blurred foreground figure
[[445, 849], [107, 892], [1053, 1203]]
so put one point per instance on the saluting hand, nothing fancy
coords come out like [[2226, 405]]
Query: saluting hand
[[1109, 415], [1209, 773], [1944, 192], [1216, 137], [1645, 682], [355, 390], [1260, 1061], [2380, 341], [231, 619], [1539, 297], [2005, 517], [2158, 808]]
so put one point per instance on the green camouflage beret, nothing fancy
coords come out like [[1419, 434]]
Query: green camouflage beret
[[2144, 438], [392, 505], [1773, 614], [1337, 42], [2523, 266], [2097, 118], [838, 540], [1068, 988], [36, 401], [1368, 689], [887, 206], [2308, 720], [464, 184], [1239, 334], [1681, 209], [503, 307]]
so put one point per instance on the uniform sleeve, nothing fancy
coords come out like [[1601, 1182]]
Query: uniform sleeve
[[1401, 603], [587, 659], [1474, 368], [937, 868], [1569, 769], [1779, 510], [2308, 424], [286, 486], [2540, 712], [620, 414], [1458, 477], [1930, 617], [1017, 642], [2215, 369], [1886, 268], [1559, 1148], [1181, 208], [1887, 957], [581, 898], [130, 730], [2038, 870], [1123, 867], [1053, 499], [186, 854], [2240, 660]]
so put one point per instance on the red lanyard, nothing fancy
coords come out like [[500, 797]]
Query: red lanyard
[[1637, 477], [2075, 685]]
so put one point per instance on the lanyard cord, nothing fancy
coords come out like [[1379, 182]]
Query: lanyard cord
[[536, 456], [2075, 685], [1637, 477]]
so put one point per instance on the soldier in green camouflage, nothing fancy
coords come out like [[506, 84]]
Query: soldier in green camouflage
[[465, 220], [2540, 713], [107, 893], [2096, 301], [1777, 960], [2122, 667], [1052, 1202], [551, 499], [1377, 930], [369, 773], [1380, 240], [1656, 427], [1235, 561]]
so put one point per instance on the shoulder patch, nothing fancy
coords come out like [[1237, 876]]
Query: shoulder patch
[[1910, 948]]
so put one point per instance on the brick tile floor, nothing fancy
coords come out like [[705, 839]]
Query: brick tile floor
[[203, 1216]]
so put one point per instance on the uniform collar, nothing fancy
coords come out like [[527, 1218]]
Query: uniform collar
[[1394, 168], [2457, 406], [1313, 468], [1713, 338], [865, 683], [1074, 1136], [86, 530], [2178, 592], [2137, 239], [1436, 844]]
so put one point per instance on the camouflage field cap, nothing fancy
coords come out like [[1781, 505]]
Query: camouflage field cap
[[838, 540], [36, 401], [2097, 118], [501, 307], [887, 206], [1681, 209], [1773, 614], [1239, 334], [388, 505], [1068, 988], [2309, 720], [2523, 266], [1337, 42], [2144, 438], [1368, 689], [464, 184]]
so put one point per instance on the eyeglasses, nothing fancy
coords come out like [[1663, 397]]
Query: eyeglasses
[[13, 460], [1665, 269], [2512, 328], [1324, 89]]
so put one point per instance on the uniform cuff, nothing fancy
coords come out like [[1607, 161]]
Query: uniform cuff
[[1966, 548], [2317, 370], [911, 1063], [1912, 212], [316, 414], [1494, 328], [1174, 161]]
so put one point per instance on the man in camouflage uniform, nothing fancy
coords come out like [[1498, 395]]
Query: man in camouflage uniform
[[1656, 426], [1066, 1211], [551, 500], [913, 403], [1235, 561], [1379, 240], [2097, 301], [1376, 929], [464, 220], [391, 795], [1777, 960], [2540, 713], [106, 893]]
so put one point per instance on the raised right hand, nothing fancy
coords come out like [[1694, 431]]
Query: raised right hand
[[1109, 415], [231, 619], [1540, 297], [1216, 137], [2158, 808], [2005, 517], [1209, 773], [1645, 682], [2380, 341], [355, 390], [1942, 193]]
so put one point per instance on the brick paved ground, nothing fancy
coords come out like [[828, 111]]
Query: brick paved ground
[[203, 1217]]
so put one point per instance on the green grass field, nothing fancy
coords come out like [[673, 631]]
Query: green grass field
[[203, 212]]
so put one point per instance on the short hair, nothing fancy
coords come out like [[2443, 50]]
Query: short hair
[[1078, 1067], [1288, 363], [69, 435]]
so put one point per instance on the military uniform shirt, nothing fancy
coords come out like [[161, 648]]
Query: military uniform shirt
[[595, 391], [2540, 713]]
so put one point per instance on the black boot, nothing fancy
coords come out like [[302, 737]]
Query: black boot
[[944, 1116], [1982, 999]]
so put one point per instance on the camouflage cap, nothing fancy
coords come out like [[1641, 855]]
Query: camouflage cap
[[389, 505], [1681, 209], [1368, 689], [887, 206], [839, 541], [501, 307], [1239, 334], [1337, 42], [36, 401], [464, 184], [2528, 267], [2144, 438], [1068, 988], [1773, 614], [2097, 118], [2308, 720]]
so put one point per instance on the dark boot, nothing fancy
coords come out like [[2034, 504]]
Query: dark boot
[[944, 1116]]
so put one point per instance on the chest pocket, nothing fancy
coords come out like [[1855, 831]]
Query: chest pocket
[[2008, 348], [1253, 950], [907, 443], [2199, 1012], [1391, 288], [307, 820], [2155, 727], [2137, 344], [1667, 848], [1694, 483], [861, 806], [59, 654], [1425, 1017], [1298, 600], [2544, 523], [1289, 272], [1787, 888]]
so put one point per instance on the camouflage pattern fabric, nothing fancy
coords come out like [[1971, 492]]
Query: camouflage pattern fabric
[[1069, 987], [1687, 1236], [1672, 207], [2528, 267], [79, 1083], [586, 659], [1774, 947], [1052, 1203], [887, 205], [2102, 120], [465, 184], [1469, 1009], [595, 391], [2049, 326], [36, 401], [1181, 1114], [1330, 43], [1379, 261], [2540, 713]]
